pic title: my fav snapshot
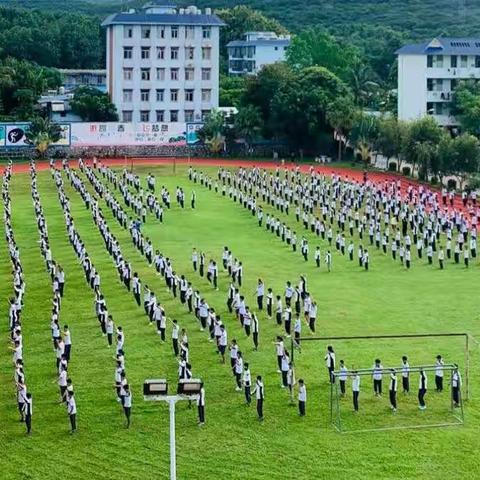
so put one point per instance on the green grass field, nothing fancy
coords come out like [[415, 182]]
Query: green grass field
[[232, 444]]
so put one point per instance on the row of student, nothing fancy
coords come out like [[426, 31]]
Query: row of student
[[429, 239], [93, 280], [23, 396], [155, 311]]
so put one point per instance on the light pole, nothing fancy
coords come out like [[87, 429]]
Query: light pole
[[157, 391]]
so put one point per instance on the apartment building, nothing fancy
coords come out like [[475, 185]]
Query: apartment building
[[163, 63], [248, 56], [428, 74]]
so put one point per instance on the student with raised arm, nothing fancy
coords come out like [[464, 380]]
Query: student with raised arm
[[259, 392], [302, 397]]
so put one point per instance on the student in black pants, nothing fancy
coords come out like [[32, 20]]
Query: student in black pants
[[201, 406], [260, 395], [28, 413]]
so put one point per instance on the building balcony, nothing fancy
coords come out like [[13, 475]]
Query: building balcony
[[446, 120], [449, 72], [439, 96]]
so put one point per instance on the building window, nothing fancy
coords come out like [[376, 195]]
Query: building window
[[174, 115], [160, 115], [161, 32], [127, 116], [174, 73], [174, 53], [206, 53], [206, 73], [160, 94], [160, 53], [439, 108], [206, 32], [161, 74], [144, 95], [145, 55], [189, 95], [438, 85], [477, 61], [144, 115], [453, 61], [429, 61], [430, 109], [276, 48], [205, 114], [127, 53], [145, 32], [145, 74], [174, 95], [189, 74], [127, 32], [190, 32], [206, 95], [127, 74], [439, 61], [127, 96], [453, 84], [463, 61], [189, 116], [429, 84], [189, 53], [174, 32]]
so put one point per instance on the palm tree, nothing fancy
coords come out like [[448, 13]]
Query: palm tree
[[248, 123], [363, 149], [341, 117], [362, 83], [42, 133]]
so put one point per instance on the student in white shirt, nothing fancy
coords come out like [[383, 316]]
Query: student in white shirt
[[377, 376], [201, 405], [302, 397], [127, 403], [405, 375], [280, 349], [343, 378], [330, 363], [439, 374], [175, 329], [392, 390], [456, 384], [355, 389], [72, 412], [247, 384], [259, 392], [422, 390]]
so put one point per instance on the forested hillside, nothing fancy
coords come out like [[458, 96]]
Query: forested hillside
[[420, 18]]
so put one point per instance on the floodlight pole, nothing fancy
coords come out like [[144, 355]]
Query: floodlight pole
[[172, 400]]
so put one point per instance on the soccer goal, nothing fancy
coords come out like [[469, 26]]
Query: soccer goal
[[375, 413], [416, 409]]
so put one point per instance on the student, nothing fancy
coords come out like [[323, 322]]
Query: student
[[28, 410], [137, 288], [422, 390], [312, 315], [392, 390], [127, 403], [247, 384], [280, 349], [72, 412], [269, 303], [21, 396], [439, 374], [259, 392], [355, 389], [343, 378], [441, 257], [317, 257], [260, 292], [67, 341], [201, 405], [330, 363], [302, 397], [328, 260], [456, 384], [278, 310], [377, 376], [285, 366], [238, 371], [287, 317], [175, 329], [405, 375], [255, 331], [297, 330], [233, 355], [110, 330], [222, 342]]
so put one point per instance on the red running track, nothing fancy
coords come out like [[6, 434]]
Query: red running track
[[344, 172]]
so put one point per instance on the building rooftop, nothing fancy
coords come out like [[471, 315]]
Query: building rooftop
[[443, 46], [162, 19]]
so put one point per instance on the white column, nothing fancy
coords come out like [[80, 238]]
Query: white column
[[173, 461]]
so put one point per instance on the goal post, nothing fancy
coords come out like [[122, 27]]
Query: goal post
[[407, 416]]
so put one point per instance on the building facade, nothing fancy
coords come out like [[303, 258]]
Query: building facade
[[74, 78], [163, 63], [428, 73], [248, 56]]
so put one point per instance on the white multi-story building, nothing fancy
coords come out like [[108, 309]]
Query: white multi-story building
[[163, 63], [257, 49], [428, 74]]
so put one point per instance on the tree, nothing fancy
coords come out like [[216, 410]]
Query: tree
[[362, 82], [466, 151], [42, 133], [391, 139], [299, 107], [341, 115], [466, 106], [248, 123], [364, 135], [213, 131], [232, 90], [423, 137], [92, 105], [316, 47]]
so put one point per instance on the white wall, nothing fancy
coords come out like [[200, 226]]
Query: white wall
[[266, 55], [412, 86]]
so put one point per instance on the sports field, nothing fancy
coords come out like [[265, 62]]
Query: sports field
[[233, 444]]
